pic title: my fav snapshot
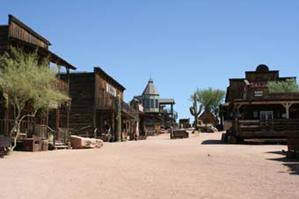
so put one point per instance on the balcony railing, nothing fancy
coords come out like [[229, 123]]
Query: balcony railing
[[109, 102], [274, 125], [106, 101]]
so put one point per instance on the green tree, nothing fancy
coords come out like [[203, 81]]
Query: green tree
[[210, 99], [28, 83], [288, 86]]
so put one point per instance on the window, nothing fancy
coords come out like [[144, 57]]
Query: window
[[146, 103], [266, 115], [152, 103], [255, 114], [258, 93], [157, 103]]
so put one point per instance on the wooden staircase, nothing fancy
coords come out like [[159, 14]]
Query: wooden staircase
[[61, 145]]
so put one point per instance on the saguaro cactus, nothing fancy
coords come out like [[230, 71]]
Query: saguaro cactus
[[195, 110]]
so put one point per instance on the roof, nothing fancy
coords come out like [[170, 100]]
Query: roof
[[208, 114], [166, 101], [44, 52], [150, 89], [11, 18], [108, 77]]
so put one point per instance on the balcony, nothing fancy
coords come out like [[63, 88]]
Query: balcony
[[262, 93], [109, 102], [106, 102]]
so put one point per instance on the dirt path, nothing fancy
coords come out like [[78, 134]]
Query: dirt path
[[198, 167]]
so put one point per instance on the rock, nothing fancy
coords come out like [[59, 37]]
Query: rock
[[78, 142]]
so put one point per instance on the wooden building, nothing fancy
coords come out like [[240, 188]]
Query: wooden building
[[185, 123], [208, 118], [97, 108], [251, 111], [17, 34]]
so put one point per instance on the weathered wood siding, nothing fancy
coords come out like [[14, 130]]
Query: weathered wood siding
[[101, 85], [16, 31], [3, 37], [81, 91]]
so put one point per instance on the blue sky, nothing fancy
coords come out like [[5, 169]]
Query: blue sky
[[182, 45]]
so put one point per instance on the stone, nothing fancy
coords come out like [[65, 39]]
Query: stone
[[78, 142]]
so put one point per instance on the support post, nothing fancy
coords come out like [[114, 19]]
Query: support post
[[6, 124], [113, 132], [57, 123], [69, 103], [287, 107], [118, 119]]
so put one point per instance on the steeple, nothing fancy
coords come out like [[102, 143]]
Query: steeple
[[150, 98], [150, 88]]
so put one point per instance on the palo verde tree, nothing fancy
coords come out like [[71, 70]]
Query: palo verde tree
[[288, 86], [29, 85], [210, 99]]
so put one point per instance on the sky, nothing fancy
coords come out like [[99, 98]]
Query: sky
[[181, 45]]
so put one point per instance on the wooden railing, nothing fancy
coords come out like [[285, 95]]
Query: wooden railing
[[275, 125], [7, 125], [272, 96], [106, 101]]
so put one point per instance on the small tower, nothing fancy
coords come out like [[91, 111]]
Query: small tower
[[150, 98]]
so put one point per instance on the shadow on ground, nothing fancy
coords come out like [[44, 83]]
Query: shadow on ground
[[292, 164], [249, 142], [212, 142]]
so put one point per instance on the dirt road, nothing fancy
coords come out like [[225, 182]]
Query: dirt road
[[198, 167]]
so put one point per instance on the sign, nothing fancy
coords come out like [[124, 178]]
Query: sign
[[111, 90]]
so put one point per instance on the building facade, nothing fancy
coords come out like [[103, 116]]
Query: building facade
[[19, 35], [252, 111]]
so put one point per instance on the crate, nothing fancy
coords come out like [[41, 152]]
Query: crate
[[180, 133], [5, 142], [32, 144]]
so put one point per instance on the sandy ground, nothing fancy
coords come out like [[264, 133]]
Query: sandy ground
[[198, 167]]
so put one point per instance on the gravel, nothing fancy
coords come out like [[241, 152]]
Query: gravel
[[197, 167]]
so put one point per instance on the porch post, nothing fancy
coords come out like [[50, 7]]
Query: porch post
[[287, 111], [118, 119], [172, 116], [69, 103], [57, 123], [287, 107], [6, 117]]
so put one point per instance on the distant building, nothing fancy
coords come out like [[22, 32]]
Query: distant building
[[184, 123], [208, 118], [156, 115], [97, 108]]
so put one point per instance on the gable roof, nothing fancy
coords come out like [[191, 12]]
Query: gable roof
[[109, 78]]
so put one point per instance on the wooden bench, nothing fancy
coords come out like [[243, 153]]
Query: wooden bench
[[5, 143]]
